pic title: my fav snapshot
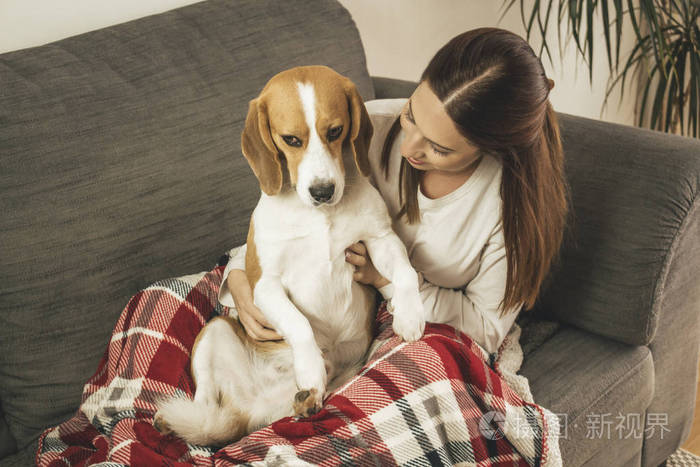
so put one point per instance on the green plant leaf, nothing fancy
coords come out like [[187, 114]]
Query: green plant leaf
[[543, 30], [647, 9], [619, 18], [632, 65], [575, 7], [560, 20], [693, 105], [506, 5], [645, 93], [533, 15], [669, 98], [680, 74], [657, 108], [633, 19], [590, 7], [606, 31]]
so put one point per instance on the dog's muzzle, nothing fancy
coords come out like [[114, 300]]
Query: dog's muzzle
[[322, 192]]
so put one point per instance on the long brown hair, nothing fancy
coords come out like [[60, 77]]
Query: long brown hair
[[494, 88]]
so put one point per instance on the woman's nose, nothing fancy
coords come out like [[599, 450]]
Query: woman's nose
[[412, 144]]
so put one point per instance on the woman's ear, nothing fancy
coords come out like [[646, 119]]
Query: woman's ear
[[361, 130], [259, 149]]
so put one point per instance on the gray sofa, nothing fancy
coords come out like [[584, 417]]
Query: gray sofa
[[120, 165]]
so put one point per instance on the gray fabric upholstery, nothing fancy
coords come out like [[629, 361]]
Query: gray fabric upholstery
[[575, 374], [121, 166], [675, 347], [23, 458], [7, 441], [632, 191], [388, 88]]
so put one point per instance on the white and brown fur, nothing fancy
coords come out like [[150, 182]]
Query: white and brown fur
[[295, 263]]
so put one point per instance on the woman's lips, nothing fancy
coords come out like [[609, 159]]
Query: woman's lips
[[413, 161]]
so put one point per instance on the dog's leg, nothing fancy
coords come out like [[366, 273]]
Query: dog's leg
[[389, 256], [218, 414], [271, 298]]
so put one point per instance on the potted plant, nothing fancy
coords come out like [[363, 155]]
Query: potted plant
[[665, 56]]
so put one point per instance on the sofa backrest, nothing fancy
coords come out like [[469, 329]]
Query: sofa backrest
[[633, 192], [121, 165]]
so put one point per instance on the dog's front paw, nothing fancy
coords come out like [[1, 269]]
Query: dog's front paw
[[307, 402], [409, 322], [311, 375]]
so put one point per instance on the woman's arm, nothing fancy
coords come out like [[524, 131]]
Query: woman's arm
[[235, 292], [473, 309], [236, 261]]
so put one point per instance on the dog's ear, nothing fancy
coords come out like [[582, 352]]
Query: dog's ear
[[361, 130], [259, 149]]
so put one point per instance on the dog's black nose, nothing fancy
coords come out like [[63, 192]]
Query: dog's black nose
[[322, 192]]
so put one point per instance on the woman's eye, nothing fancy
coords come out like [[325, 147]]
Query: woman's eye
[[334, 133], [438, 152], [292, 141]]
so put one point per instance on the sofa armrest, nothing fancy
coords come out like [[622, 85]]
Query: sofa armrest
[[634, 197], [391, 88]]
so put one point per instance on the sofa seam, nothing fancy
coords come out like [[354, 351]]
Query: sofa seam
[[662, 276]]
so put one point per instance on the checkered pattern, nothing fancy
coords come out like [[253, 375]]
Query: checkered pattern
[[432, 402]]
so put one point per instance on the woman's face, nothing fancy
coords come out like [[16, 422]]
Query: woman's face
[[432, 141]]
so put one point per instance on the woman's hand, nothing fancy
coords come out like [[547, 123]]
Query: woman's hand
[[365, 272], [251, 317]]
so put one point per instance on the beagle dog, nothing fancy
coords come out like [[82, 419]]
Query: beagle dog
[[306, 138]]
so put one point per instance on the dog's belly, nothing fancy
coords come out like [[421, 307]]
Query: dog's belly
[[339, 309]]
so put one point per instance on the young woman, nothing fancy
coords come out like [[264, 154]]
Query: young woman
[[471, 169]]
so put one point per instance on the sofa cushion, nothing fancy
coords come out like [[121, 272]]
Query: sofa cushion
[[7, 441], [581, 376], [632, 189], [121, 165], [24, 457]]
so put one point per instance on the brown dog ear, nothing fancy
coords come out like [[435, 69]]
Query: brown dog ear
[[361, 130], [259, 149]]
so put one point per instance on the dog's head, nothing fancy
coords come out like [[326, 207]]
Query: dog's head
[[305, 115]]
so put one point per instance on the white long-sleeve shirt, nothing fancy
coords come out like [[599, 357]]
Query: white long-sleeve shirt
[[457, 246]]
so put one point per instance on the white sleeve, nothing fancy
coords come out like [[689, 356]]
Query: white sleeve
[[456, 308], [236, 261], [475, 308]]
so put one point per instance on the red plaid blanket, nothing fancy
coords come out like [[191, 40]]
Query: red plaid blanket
[[433, 402]]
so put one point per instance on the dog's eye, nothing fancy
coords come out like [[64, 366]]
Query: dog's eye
[[292, 141], [334, 133]]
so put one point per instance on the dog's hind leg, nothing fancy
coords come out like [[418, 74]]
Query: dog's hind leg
[[221, 369], [275, 390], [219, 359]]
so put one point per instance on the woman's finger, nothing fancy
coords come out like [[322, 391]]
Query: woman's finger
[[264, 328], [269, 335], [359, 248], [248, 324], [258, 316], [255, 329], [355, 259], [362, 278]]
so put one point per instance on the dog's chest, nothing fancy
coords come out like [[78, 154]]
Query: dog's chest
[[306, 248]]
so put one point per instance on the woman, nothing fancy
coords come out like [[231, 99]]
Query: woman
[[471, 168]]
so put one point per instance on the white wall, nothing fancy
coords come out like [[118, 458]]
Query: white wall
[[26, 23], [400, 37]]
